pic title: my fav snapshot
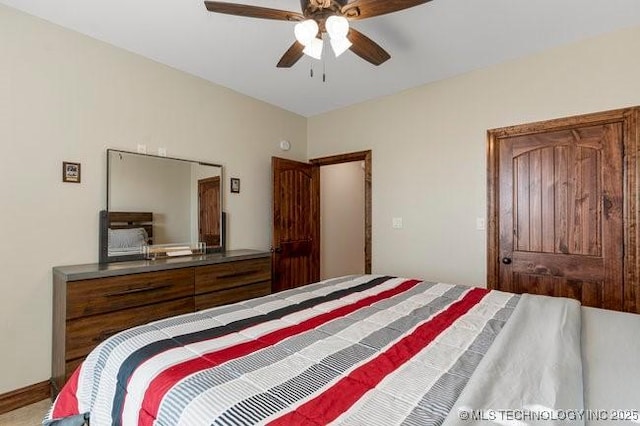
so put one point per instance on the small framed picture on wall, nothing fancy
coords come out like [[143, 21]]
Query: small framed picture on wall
[[235, 185], [70, 172]]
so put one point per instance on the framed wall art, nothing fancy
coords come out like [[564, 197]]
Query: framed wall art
[[70, 172]]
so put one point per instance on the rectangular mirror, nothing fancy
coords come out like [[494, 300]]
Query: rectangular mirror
[[154, 201]]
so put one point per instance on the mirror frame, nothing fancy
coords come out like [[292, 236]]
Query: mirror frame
[[103, 252]]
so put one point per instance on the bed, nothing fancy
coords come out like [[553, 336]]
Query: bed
[[611, 363], [127, 233], [357, 350]]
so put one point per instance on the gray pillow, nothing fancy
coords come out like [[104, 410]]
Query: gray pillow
[[127, 238]]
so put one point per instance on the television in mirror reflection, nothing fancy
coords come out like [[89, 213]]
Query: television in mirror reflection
[[183, 198]]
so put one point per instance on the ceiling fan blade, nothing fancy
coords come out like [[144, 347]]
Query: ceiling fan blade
[[362, 9], [252, 11], [291, 56], [366, 48]]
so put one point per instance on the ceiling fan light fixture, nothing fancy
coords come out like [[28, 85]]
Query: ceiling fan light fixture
[[314, 49], [340, 45], [337, 26], [306, 31]]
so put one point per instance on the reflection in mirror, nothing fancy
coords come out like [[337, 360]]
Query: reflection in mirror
[[183, 199]]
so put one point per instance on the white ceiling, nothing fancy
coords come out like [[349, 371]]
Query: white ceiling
[[430, 42]]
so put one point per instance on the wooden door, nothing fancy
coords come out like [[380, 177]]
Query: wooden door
[[209, 211], [296, 224], [561, 214]]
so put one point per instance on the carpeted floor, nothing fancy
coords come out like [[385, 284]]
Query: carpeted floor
[[31, 415]]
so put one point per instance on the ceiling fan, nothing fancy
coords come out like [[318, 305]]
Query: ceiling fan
[[324, 16]]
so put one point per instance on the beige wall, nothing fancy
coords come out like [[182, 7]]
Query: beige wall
[[64, 96], [429, 146], [341, 219]]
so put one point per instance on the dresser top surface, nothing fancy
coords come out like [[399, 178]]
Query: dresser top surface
[[101, 270]]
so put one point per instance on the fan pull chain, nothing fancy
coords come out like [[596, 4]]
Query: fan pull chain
[[324, 71]]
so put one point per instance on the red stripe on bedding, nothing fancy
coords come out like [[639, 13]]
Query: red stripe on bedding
[[168, 378], [329, 405], [67, 403]]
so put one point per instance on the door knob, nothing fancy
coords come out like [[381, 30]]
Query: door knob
[[506, 260]]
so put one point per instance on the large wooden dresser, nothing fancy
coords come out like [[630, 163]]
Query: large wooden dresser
[[92, 302]]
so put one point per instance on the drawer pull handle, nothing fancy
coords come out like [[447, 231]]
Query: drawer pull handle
[[238, 274], [137, 290]]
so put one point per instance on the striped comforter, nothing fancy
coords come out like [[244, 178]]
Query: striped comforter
[[358, 350]]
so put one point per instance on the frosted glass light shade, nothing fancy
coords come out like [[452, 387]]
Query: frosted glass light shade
[[306, 31], [337, 26], [340, 45], [314, 49]]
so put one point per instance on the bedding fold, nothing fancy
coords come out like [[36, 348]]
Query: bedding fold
[[532, 373]]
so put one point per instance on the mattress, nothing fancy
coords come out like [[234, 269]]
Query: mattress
[[358, 350], [611, 365]]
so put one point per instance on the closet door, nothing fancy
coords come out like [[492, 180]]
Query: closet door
[[560, 221]]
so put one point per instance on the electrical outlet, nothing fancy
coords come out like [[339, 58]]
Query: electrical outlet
[[162, 152], [142, 149], [396, 223]]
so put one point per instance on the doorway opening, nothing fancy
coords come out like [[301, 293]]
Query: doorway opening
[[345, 214], [295, 258]]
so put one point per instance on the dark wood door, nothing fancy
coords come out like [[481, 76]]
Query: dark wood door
[[561, 214], [296, 224], [209, 211]]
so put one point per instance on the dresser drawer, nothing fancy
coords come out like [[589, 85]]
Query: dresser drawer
[[232, 295], [232, 274], [91, 297], [84, 334], [70, 367]]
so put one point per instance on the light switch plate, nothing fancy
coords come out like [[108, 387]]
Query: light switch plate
[[480, 224]]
